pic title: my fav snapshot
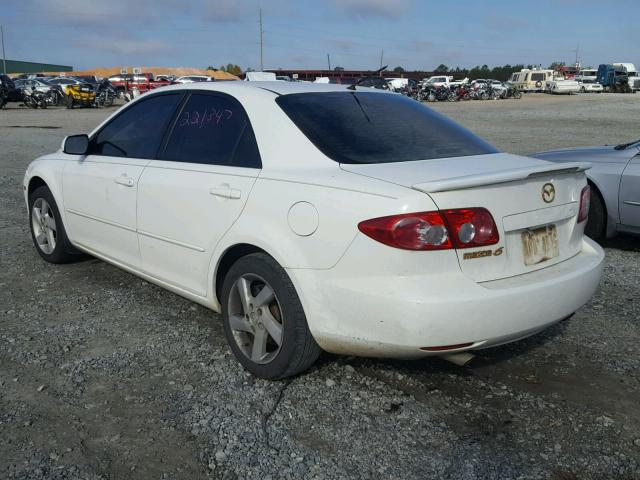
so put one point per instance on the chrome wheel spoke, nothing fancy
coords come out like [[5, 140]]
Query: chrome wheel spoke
[[265, 297], [240, 323], [259, 347], [41, 238], [37, 214], [50, 222], [51, 240], [272, 326], [245, 294]]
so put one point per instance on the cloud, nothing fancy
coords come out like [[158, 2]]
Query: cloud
[[139, 12], [79, 12], [503, 23], [230, 10], [125, 46], [420, 45], [362, 9], [342, 45]]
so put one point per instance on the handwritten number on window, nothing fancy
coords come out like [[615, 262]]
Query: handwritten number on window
[[208, 117]]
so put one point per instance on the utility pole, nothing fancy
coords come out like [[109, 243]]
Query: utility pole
[[4, 58], [381, 57], [329, 61], [577, 50], [261, 54]]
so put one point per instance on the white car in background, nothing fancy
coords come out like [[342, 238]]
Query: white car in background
[[193, 79], [438, 81], [397, 84], [319, 217], [260, 76], [590, 86]]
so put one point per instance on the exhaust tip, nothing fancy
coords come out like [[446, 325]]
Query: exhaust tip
[[461, 359]]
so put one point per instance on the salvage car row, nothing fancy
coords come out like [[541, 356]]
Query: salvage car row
[[40, 91]]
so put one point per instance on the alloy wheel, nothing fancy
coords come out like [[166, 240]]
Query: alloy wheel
[[44, 226], [255, 318]]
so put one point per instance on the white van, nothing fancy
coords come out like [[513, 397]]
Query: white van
[[531, 80], [586, 74], [260, 77]]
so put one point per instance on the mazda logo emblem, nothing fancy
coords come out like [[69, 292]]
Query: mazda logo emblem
[[548, 192]]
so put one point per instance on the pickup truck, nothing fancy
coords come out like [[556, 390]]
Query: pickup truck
[[443, 80], [143, 82]]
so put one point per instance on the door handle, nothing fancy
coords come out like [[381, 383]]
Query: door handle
[[226, 191], [124, 180]]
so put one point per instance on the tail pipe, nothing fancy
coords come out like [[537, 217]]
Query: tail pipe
[[461, 359]]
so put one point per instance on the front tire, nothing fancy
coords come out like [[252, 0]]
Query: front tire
[[264, 321], [70, 101], [47, 231]]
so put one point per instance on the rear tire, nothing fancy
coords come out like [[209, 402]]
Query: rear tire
[[255, 321], [596, 227], [47, 230]]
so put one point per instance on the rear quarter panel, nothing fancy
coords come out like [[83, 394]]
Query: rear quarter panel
[[334, 204]]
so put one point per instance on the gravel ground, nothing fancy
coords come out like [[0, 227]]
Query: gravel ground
[[105, 376]]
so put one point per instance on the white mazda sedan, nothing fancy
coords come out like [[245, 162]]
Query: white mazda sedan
[[319, 217]]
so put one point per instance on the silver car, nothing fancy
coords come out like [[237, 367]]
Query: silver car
[[615, 186]]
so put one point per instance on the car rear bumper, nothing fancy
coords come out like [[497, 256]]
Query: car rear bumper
[[396, 313]]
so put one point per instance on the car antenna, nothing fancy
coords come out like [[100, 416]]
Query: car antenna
[[352, 87]]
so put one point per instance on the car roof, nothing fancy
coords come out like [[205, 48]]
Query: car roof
[[275, 87]]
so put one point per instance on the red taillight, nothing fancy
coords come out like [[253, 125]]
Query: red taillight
[[471, 227], [410, 231], [585, 200], [442, 230]]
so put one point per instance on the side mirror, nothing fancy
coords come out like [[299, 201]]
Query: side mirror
[[76, 144]]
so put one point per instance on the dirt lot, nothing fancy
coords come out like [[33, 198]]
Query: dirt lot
[[104, 376]]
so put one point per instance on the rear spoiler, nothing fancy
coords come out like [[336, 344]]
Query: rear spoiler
[[502, 176]]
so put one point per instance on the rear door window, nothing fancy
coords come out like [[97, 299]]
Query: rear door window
[[213, 129]]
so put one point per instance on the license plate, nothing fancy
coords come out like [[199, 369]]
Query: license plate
[[540, 244], [85, 89]]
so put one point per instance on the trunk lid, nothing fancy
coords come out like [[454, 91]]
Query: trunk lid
[[535, 232]]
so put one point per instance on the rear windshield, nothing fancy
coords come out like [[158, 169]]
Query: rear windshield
[[368, 127]]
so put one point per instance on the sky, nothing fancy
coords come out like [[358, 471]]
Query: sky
[[414, 34]]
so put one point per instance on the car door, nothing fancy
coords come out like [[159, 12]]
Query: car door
[[630, 193], [191, 195], [100, 189]]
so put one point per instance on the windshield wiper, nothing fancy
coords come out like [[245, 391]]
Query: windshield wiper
[[624, 146]]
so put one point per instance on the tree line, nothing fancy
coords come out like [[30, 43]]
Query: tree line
[[502, 73]]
